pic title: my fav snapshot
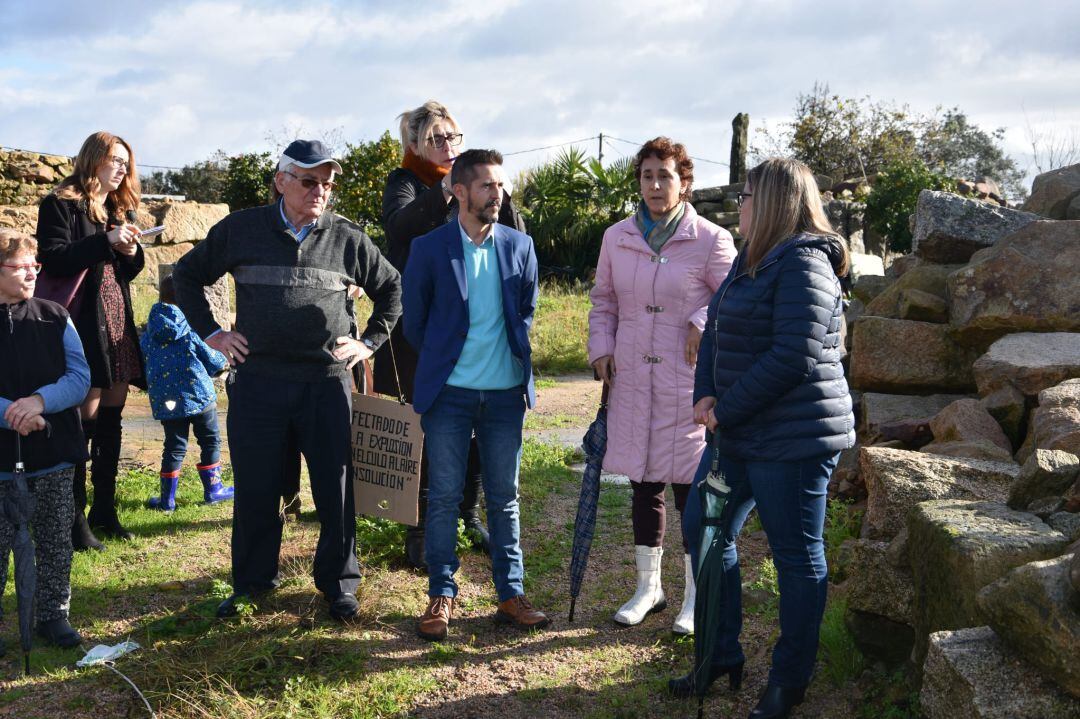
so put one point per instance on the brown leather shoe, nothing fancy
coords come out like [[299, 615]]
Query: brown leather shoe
[[435, 620], [520, 613]]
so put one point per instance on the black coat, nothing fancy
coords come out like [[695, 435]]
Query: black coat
[[70, 242], [412, 209], [770, 355]]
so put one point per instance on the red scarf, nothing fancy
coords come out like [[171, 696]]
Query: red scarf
[[428, 172]]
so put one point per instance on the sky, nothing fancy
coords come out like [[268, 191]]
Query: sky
[[181, 80]]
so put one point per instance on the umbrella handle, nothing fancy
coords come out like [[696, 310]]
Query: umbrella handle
[[573, 601]]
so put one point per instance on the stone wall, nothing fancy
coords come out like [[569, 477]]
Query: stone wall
[[26, 177], [969, 556]]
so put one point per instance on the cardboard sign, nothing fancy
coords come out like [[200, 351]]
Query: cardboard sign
[[386, 445]]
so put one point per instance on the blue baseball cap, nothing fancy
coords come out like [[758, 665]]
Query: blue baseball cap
[[307, 154]]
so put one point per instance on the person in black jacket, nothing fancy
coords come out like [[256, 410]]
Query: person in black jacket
[[417, 199], [770, 389], [85, 237], [43, 382]]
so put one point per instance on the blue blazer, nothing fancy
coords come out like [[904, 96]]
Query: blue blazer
[[435, 304]]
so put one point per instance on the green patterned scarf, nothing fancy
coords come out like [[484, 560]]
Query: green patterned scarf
[[657, 232]]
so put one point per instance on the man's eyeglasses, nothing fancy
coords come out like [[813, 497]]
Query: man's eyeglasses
[[25, 269], [741, 199], [309, 184], [440, 141], [119, 162]]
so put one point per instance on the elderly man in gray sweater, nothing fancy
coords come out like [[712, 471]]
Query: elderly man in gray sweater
[[291, 349]]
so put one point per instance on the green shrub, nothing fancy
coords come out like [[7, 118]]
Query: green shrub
[[363, 178], [841, 659], [841, 524], [247, 180], [569, 202], [894, 196]]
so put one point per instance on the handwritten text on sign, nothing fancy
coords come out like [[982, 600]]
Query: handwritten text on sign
[[386, 445]]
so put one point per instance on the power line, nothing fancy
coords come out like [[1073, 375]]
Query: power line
[[549, 147], [699, 159]]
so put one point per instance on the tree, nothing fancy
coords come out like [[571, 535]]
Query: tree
[[200, 181], [247, 180], [363, 178], [857, 137], [569, 202]]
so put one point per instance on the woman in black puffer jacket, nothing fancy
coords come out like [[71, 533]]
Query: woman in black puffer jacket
[[770, 388], [417, 200]]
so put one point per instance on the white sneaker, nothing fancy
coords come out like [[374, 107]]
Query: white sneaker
[[649, 596], [684, 623]]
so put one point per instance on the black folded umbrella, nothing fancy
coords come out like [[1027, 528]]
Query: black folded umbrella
[[18, 508], [595, 445]]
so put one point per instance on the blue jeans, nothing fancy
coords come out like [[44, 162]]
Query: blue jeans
[[205, 426], [790, 499], [496, 418]]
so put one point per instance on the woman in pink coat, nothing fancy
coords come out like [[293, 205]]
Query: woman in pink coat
[[656, 273]]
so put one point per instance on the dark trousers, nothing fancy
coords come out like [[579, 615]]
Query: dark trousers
[[262, 413], [648, 514], [790, 499], [205, 427]]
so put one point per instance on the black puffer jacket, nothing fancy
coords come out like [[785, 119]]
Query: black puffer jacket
[[411, 209], [68, 243], [771, 352]]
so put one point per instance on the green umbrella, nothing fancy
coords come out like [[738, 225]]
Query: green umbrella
[[713, 493]]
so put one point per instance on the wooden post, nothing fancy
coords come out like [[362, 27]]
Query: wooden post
[[740, 127]]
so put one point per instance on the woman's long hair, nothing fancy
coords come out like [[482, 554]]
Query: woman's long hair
[[786, 202], [83, 184]]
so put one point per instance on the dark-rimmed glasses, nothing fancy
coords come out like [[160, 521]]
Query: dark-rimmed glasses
[[742, 197], [309, 184], [453, 139], [25, 269], [119, 162]]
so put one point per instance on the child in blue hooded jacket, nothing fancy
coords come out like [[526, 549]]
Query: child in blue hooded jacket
[[179, 366]]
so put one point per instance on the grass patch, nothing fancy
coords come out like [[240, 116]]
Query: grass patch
[[534, 421], [561, 329], [841, 659], [546, 383], [841, 523]]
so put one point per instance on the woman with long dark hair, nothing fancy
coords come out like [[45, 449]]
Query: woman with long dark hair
[[86, 241], [770, 389], [417, 200]]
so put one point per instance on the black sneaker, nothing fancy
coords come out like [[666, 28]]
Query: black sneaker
[[59, 632], [344, 607]]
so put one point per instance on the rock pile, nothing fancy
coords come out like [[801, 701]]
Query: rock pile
[[26, 177], [966, 362]]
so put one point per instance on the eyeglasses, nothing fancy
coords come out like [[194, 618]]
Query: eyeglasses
[[440, 141], [25, 269], [119, 162], [741, 199], [309, 184]]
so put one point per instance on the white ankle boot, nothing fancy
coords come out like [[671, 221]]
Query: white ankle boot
[[684, 623], [649, 597]]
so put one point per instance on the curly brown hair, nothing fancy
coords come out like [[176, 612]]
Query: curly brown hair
[[13, 242], [663, 148]]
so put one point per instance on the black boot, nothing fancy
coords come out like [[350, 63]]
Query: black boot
[[81, 536], [103, 469], [777, 702], [414, 547], [469, 508], [684, 686]]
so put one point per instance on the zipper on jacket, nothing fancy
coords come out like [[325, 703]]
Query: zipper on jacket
[[736, 278]]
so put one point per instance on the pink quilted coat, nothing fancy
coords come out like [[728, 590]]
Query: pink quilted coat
[[642, 304]]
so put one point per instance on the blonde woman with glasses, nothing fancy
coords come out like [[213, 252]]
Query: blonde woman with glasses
[[417, 200], [770, 390], [90, 250]]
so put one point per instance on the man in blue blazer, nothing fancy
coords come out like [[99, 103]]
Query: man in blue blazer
[[469, 293]]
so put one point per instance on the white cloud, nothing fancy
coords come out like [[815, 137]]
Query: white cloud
[[182, 80]]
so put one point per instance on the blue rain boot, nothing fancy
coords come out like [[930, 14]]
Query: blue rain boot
[[213, 490], [167, 501]]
